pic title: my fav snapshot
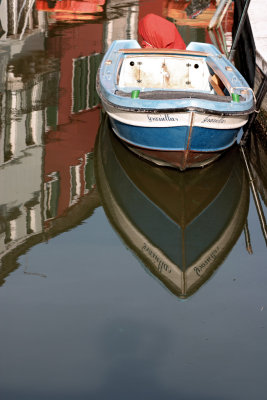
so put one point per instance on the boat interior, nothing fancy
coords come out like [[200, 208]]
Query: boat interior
[[164, 75]]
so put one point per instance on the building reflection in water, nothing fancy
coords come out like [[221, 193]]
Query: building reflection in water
[[72, 10], [50, 114], [181, 225]]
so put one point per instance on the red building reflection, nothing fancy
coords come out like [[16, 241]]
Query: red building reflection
[[69, 144], [70, 10]]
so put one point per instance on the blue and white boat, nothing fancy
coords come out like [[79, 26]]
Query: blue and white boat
[[179, 108]]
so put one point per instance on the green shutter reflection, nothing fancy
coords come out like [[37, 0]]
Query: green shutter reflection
[[80, 83], [93, 99], [84, 82], [51, 117]]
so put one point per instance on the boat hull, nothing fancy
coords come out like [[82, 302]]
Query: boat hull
[[179, 139], [178, 108]]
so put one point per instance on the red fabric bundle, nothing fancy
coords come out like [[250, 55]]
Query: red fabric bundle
[[159, 33]]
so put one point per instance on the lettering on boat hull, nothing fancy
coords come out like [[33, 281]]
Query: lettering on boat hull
[[162, 118], [159, 263], [211, 257]]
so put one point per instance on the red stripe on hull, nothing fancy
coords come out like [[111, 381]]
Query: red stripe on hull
[[177, 159]]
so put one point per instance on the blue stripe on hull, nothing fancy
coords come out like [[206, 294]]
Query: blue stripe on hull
[[167, 138], [175, 138], [204, 139]]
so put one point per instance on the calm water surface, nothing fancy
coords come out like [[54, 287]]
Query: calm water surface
[[93, 304]]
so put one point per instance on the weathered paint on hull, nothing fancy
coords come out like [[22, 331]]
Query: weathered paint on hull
[[176, 159]]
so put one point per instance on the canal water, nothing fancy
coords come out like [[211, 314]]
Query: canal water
[[93, 304]]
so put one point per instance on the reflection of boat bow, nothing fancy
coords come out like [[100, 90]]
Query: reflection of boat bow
[[181, 225]]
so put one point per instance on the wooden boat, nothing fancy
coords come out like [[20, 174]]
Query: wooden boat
[[179, 108], [180, 225]]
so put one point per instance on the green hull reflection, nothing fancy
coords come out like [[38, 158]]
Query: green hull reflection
[[180, 225]]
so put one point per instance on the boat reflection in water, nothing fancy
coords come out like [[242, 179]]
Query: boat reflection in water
[[181, 225]]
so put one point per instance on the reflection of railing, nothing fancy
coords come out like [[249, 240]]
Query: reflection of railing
[[17, 16], [27, 19], [219, 14], [215, 29]]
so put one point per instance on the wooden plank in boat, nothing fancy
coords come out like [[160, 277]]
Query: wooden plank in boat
[[220, 74], [215, 83]]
